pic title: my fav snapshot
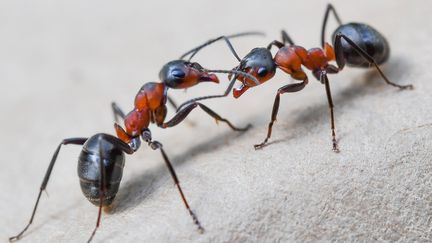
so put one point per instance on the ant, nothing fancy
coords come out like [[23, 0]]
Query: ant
[[150, 102], [355, 44], [102, 158]]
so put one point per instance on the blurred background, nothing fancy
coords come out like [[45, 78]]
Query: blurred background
[[63, 63]]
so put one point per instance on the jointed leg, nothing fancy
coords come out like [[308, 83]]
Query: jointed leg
[[177, 108], [290, 88], [156, 145], [172, 102], [341, 61], [183, 113], [118, 112], [77, 141], [276, 43], [286, 38], [324, 24], [325, 80]]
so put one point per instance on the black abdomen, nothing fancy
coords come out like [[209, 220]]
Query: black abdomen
[[368, 39], [89, 168]]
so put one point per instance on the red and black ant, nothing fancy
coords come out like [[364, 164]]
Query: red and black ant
[[101, 162], [355, 44]]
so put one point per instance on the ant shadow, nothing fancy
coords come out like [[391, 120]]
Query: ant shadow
[[136, 190]]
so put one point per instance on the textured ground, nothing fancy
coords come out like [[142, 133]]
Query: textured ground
[[62, 64]]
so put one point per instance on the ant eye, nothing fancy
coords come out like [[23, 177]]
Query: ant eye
[[178, 73], [262, 71]]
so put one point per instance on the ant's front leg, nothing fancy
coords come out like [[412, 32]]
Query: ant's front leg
[[290, 88], [183, 113]]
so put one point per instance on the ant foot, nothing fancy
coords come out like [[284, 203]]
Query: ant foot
[[409, 86], [196, 221], [335, 147], [260, 146]]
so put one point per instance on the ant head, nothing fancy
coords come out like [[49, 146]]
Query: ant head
[[258, 63], [182, 74]]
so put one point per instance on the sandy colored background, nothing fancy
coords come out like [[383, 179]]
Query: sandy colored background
[[61, 64]]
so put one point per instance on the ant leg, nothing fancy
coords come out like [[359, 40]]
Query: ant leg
[[177, 108], [182, 114], [172, 103], [275, 43], [340, 60], [118, 112], [194, 51], [324, 24], [227, 91], [76, 141], [102, 188], [286, 38], [290, 88], [156, 145], [324, 79]]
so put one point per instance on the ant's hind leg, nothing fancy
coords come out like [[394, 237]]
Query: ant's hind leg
[[341, 60], [290, 88], [183, 113], [76, 141], [324, 24]]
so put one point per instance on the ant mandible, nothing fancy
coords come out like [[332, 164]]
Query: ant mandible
[[101, 161], [355, 44]]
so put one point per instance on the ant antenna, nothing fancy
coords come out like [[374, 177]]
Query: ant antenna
[[198, 48]]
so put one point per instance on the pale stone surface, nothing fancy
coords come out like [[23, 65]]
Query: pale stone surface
[[62, 64]]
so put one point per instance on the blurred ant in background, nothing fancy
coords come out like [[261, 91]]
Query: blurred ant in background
[[101, 161], [354, 44]]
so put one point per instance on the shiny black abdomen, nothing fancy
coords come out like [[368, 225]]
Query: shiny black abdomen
[[368, 39], [89, 170]]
